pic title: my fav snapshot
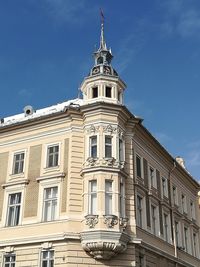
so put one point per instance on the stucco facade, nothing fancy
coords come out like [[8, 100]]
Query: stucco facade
[[83, 183]]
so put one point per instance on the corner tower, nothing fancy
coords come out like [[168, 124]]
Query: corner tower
[[103, 82]]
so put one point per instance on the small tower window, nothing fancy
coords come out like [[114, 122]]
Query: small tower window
[[100, 60], [108, 91], [94, 92]]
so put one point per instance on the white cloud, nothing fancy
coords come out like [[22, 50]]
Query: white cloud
[[181, 17]]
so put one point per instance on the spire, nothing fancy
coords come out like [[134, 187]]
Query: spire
[[102, 39]]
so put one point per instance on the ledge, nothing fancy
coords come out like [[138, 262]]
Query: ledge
[[104, 244]]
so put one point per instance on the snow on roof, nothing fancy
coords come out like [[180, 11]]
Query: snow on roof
[[40, 112]]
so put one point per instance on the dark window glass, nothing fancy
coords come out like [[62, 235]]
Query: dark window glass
[[93, 146], [9, 260], [14, 204], [52, 156], [138, 166], [108, 147], [94, 92], [108, 91], [47, 258], [18, 163]]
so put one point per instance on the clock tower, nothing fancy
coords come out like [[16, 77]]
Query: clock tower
[[103, 82]]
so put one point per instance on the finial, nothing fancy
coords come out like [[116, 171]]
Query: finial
[[102, 40]]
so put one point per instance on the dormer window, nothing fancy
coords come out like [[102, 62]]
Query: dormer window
[[108, 91], [94, 92]]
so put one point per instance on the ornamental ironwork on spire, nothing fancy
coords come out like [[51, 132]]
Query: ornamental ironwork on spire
[[103, 56]]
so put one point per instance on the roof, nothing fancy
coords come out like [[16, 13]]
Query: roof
[[22, 117]]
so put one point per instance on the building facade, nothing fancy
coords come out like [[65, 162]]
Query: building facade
[[83, 183]]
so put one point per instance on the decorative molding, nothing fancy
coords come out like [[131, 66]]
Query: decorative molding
[[110, 220], [104, 244], [9, 249], [91, 220], [123, 222], [93, 129], [16, 182], [104, 162]]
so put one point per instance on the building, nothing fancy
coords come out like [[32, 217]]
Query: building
[[83, 183]]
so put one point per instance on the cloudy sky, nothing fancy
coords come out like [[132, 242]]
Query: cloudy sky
[[46, 50]]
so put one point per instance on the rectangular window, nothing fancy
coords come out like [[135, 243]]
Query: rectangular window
[[176, 225], [47, 258], [108, 198], [122, 200], [18, 163], [108, 91], [108, 147], [192, 210], [92, 197], [93, 146], [138, 166], [52, 156], [184, 203], [121, 150], [50, 203], [186, 238], [166, 227], [152, 177], [194, 244], [141, 260], [9, 260], [175, 195], [139, 211], [164, 187], [94, 92], [14, 205], [153, 219]]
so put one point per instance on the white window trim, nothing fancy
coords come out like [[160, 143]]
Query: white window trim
[[166, 193], [157, 225], [41, 254], [169, 233], [88, 147], [154, 185], [144, 217], [47, 183], [46, 168], [184, 207], [175, 200], [113, 196], [179, 242], [142, 168], [122, 199], [13, 189], [89, 197], [11, 160], [193, 211]]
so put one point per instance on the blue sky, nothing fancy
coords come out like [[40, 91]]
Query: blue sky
[[46, 50]]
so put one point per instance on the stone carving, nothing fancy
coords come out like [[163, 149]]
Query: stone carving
[[110, 220], [104, 244], [109, 161], [123, 223], [93, 129], [90, 162], [91, 220]]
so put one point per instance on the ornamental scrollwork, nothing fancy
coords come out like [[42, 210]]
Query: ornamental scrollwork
[[110, 220], [91, 220], [123, 223]]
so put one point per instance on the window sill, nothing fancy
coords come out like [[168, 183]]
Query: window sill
[[17, 175], [51, 169]]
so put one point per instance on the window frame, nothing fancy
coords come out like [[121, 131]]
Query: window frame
[[184, 203], [51, 200], [108, 145], [164, 186], [152, 178], [138, 157], [108, 91], [109, 198], [21, 163], [91, 146], [139, 210], [9, 263], [48, 146], [49, 259], [175, 195], [92, 195], [16, 220]]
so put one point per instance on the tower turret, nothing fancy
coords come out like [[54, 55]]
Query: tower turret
[[103, 82]]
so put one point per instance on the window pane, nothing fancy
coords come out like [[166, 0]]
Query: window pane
[[93, 146], [138, 166], [92, 197], [108, 147], [52, 156], [108, 197]]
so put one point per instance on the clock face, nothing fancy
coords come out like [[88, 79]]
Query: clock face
[[107, 70], [95, 70]]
